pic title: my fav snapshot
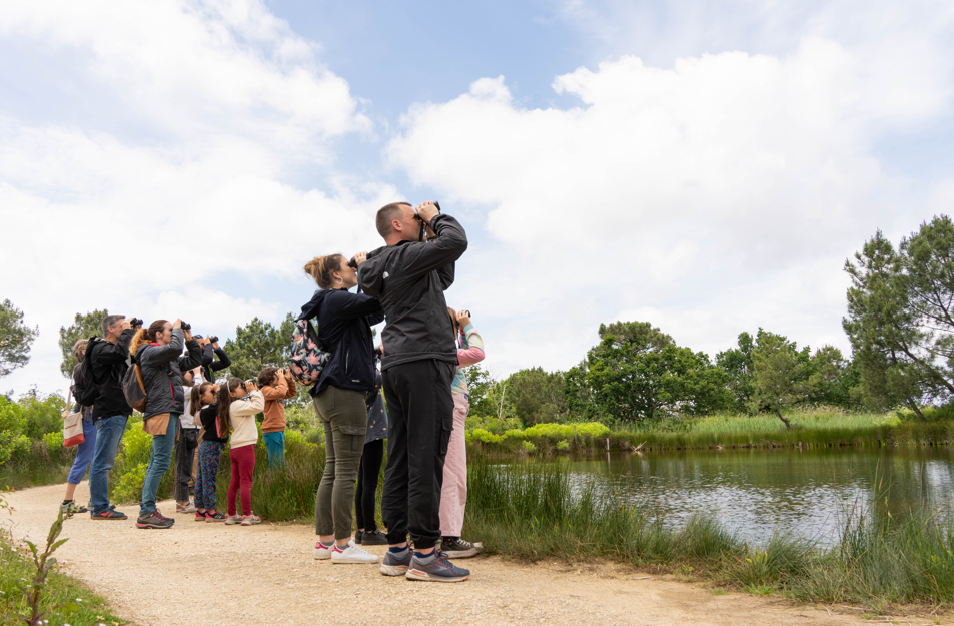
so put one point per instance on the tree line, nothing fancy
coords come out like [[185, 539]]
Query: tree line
[[899, 321]]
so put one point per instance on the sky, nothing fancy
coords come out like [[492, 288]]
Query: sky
[[705, 167]]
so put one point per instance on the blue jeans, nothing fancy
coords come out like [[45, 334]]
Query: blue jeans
[[109, 434], [84, 453], [159, 460], [275, 445]]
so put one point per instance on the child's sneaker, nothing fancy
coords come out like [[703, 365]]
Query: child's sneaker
[[211, 518], [233, 520], [353, 553], [395, 566], [200, 517], [249, 520]]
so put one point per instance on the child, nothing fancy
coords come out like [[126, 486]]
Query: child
[[454, 489], [237, 406], [210, 451], [277, 386]]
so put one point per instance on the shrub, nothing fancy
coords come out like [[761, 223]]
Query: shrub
[[13, 428]]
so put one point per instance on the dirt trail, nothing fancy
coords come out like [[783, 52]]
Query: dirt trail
[[215, 574]]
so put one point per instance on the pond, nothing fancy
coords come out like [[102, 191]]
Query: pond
[[755, 493]]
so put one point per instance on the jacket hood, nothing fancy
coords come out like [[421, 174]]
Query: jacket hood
[[310, 309]]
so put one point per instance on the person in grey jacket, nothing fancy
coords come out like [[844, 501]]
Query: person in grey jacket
[[409, 276], [158, 352]]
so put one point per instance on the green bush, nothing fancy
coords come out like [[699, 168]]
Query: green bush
[[13, 429]]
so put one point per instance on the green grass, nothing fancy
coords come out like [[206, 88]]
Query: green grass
[[535, 511], [77, 604]]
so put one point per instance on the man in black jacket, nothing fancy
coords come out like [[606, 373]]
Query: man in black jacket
[[109, 359], [409, 277], [209, 365]]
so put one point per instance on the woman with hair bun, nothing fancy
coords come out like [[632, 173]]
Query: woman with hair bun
[[158, 351], [344, 322]]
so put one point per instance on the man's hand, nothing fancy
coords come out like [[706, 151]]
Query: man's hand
[[360, 257], [203, 342], [426, 211], [463, 318], [215, 345], [177, 324], [126, 325]]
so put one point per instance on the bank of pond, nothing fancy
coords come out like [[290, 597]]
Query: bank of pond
[[848, 509]]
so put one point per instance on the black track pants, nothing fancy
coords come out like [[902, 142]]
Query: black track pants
[[420, 420]]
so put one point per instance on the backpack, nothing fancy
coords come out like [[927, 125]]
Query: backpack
[[134, 389], [307, 356], [84, 386]]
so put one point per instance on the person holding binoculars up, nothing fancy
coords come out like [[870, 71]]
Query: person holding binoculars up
[[158, 351], [238, 404]]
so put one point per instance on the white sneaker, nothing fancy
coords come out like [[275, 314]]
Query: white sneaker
[[233, 520], [352, 554], [249, 520], [322, 553]]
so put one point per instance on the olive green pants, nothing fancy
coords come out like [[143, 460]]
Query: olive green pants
[[345, 419]]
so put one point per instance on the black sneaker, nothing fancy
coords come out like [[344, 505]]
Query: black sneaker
[[439, 570], [374, 538], [154, 520], [357, 536], [457, 548]]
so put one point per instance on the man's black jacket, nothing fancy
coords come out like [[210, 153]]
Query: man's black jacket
[[210, 365], [409, 279], [109, 363]]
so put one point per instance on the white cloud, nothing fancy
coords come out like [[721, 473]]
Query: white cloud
[[140, 225], [714, 197]]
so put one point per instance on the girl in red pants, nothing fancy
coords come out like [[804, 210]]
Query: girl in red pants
[[238, 404]]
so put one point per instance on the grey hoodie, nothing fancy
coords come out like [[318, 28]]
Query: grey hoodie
[[409, 279]]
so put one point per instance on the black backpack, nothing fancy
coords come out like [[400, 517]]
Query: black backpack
[[84, 386]]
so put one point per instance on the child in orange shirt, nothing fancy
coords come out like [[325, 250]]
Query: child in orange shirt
[[277, 386]]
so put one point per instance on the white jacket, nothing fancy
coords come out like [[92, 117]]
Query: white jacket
[[242, 412]]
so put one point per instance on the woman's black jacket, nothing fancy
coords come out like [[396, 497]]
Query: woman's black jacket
[[344, 322]]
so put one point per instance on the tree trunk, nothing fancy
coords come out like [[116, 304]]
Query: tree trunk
[[778, 411], [917, 410]]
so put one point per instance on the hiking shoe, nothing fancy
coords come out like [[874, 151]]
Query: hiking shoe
[[211, 518], [71, 508], [155, 519], [233, 520], [439, 570], [249, 520], [110, 513], [188, 507], [373, 538], [353, 553], [394, 566], [457, 548]]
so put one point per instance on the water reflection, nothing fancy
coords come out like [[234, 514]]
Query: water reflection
[[756, 492]]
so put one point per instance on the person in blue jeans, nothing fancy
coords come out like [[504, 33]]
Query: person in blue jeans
[[84, 451], [108, 362], [157, 350]]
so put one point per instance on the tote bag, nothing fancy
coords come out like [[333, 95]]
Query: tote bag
[[72, 425]]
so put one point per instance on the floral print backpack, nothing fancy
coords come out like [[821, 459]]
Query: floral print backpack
[[307, 357]]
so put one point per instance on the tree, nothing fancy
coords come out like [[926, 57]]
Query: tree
[[637, 373], [537, 396], [781, 374], [83, 327], [737, 364], [258, 345], [16, 338], [899, 317]]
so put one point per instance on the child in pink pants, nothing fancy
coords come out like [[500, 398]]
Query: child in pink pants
[[454, 490]]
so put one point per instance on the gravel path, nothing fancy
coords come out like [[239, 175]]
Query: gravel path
[[213, 574]]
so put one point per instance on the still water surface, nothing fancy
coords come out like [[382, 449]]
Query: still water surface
[[756, 492]]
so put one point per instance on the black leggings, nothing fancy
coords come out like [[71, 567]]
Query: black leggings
[[368, 485]]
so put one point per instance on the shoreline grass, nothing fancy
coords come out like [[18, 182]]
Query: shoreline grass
[[532, 512]]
